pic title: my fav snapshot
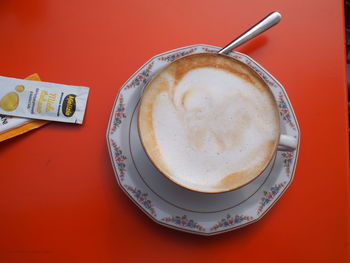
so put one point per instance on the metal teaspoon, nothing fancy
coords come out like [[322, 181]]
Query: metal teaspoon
[[266, 23]]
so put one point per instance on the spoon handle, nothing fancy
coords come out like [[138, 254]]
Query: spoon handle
[[269, 21]]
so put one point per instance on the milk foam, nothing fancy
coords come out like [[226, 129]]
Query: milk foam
[[212, 124]]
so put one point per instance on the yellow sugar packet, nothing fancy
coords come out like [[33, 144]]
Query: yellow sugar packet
[[13, 126], [42, 100]]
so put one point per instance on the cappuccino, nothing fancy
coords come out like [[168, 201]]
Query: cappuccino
[[209, 123]]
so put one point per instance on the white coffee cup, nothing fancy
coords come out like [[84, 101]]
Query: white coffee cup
[[210, 123]]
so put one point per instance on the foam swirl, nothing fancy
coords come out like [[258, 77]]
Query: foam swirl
[[208, 123]]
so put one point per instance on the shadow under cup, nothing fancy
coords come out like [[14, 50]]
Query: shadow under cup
[[199, 77]]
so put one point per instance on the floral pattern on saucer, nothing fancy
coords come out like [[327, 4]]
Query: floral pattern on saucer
[[183, 221], [119, 114], [173, 212], [288, 158], [265, 77], [119, 159], [284, 110], [229, 221], [172, 57], [142, 198], [269, 196], [141, 77]]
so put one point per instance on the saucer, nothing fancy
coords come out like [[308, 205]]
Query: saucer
[[167, 203]]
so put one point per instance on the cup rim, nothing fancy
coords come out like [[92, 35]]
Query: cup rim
[[163, 173]]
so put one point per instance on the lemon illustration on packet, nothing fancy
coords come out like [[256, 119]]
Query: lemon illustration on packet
[[13, 126], [10, 101]]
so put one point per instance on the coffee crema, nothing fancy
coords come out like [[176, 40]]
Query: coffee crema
[[209, 123]]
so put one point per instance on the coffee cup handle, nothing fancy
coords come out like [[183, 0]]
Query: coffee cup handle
[[287, 143]]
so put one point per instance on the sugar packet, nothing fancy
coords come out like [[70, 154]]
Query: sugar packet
[[42, 100]]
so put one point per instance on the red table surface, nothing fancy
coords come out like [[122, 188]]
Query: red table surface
[[59, 200]]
